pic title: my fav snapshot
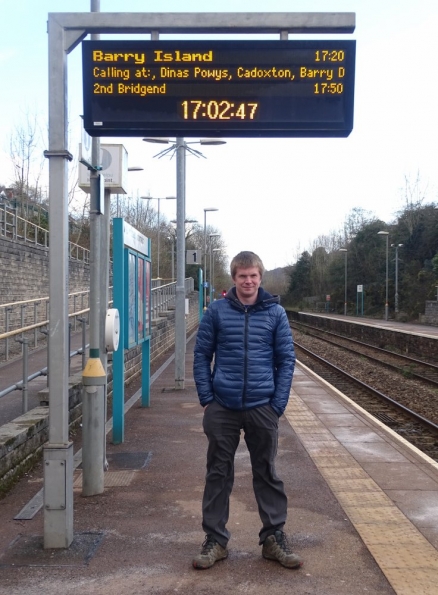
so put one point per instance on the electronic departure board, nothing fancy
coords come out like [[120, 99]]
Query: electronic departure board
[[219, 88]]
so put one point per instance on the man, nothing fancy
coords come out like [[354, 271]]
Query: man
[[247, 334]]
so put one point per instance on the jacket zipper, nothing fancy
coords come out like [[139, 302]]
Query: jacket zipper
[[245, 362]]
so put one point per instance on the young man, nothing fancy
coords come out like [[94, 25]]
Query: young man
[[247, 334]]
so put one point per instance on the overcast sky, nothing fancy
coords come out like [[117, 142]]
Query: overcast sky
[[275, 196]]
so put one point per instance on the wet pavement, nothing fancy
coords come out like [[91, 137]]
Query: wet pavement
[[140, 535]]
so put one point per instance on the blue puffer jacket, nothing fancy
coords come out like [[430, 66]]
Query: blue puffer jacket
[[253, 354]]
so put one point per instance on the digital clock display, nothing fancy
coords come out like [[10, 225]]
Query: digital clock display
[[219, 88]]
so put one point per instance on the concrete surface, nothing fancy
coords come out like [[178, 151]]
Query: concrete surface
[[140, 535]]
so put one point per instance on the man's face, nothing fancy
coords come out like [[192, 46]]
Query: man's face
[[247, 282]]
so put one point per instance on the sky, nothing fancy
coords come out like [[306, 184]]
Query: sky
[[274, 196]]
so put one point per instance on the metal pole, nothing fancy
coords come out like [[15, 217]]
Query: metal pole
[[386, 298], [58, 452], [83, 322], [25, 375], [94, 377], [180, 319], [158, 241], [104, 296], [69, 348], [173, 259], [209, 271], [345, 298], [396, 280], [212, 279], [205, 260]]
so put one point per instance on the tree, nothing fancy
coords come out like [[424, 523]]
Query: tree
[[413, 195], [27, 158], [300, 282]]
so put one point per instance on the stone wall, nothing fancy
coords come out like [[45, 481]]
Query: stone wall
[[28, 272], [25, 276]]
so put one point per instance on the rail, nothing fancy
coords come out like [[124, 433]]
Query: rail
[[25, 334], [17, 228]]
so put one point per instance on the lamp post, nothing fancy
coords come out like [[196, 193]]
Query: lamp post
[[205, 253], [396, 246], [210, 279], [158, 225], [132, 168], [212, 272], [180, 147], [173, 239], [345, 277], [386, 234]]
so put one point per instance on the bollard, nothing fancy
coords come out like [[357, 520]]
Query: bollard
[[93, 427]]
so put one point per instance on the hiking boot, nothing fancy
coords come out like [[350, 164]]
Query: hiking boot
[[211, 552], [276, 547]]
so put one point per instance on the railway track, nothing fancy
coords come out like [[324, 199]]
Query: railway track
[[404, 402], [408, 366]]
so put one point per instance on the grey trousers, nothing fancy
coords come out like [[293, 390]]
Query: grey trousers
[[222, 428]]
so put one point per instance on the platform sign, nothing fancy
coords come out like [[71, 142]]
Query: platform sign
[[132, 298], [219, 88], [193, 256]]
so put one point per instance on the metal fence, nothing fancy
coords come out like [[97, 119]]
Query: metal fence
[[16, 228], [24, 326]]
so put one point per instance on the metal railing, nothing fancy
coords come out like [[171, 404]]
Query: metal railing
[[164, 296], [28, 318], [21, 329], [16, 228]]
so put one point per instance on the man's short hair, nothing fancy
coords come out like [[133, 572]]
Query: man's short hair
[[246, 260]]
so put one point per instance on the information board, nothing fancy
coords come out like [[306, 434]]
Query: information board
[[219, 88]]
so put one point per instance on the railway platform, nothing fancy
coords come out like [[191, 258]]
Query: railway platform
[[422, 330], [363, 507]]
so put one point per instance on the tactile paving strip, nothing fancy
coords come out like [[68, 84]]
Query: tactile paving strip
[[374, 514], [340, 461], [405, 556], [374, 498], [348, 473], [389, 534], [339, 484], [421, 581], [112, 479]]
